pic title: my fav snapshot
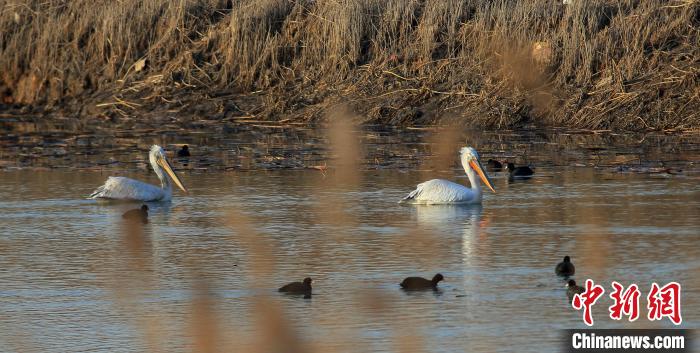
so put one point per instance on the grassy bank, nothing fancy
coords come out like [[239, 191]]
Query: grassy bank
[[624, 64]]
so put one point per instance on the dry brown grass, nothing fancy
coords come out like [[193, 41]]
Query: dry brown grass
[[624, 64]]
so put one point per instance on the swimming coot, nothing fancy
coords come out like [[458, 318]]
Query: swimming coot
[[137, 214], [565, 268], [522, 172], [572, 289], [421, 283], [184, 151], [298, 287], [494, 165]]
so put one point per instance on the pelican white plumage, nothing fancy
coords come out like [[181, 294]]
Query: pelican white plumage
[[440, 191], [126, 189]]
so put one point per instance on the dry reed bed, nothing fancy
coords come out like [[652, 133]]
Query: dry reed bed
[[620, 64]]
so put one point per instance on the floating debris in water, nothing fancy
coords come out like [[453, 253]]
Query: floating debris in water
[[646, 170]]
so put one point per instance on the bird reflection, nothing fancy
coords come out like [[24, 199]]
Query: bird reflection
[[446, 217], [453, 219]]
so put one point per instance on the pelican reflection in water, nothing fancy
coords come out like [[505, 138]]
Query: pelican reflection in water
[[126, 189], [462, 229]]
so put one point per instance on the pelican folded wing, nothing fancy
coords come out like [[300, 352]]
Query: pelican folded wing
[[122, 188]]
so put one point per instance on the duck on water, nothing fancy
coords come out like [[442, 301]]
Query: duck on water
[[572, 289], [420, 283], [518, 172], [138, 214], [303, 287], [565, 268]]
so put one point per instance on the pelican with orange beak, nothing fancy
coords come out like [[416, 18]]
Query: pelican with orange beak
[[440, 191], [126, 189]]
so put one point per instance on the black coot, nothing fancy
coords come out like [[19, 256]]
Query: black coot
[[421, 283], [494, 165], [519, 172], [184, 151], [565, 268], [137, 214], [572, 289], [298, 287]]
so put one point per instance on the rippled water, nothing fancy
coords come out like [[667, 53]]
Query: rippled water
[[72, 281]]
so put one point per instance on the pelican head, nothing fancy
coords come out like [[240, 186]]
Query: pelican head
[[160, 163], [470, 159]]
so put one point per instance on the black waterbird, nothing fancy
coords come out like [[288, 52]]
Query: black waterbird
[[565, 268], [572, 289], [415, 283], [494, 165], [184, 151], [519, 172], [137, 214], [298, 287]]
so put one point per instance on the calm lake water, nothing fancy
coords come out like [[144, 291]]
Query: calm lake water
[[206, 267]]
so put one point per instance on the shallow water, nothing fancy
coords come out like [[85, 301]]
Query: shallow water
[[72, 281]]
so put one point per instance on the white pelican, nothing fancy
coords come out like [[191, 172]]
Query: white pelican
[[126, 189], [440, 191]]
